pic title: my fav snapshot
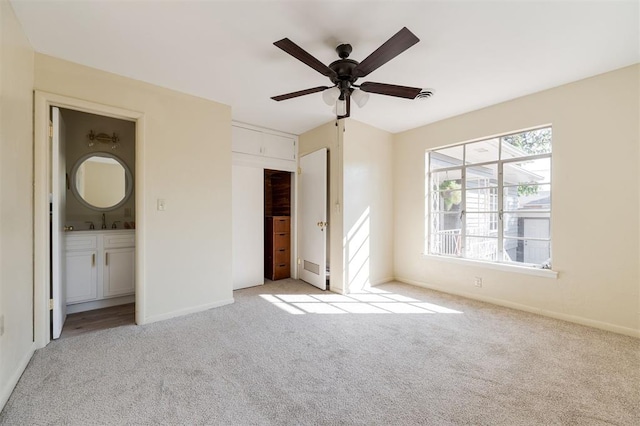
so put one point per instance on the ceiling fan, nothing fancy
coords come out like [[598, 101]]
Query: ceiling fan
[[344, 73]]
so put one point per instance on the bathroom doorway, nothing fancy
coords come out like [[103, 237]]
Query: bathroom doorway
[[92, 226], [104, 257]]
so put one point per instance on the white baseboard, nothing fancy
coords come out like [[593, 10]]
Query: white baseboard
[[544, 312], [7, 388], [381, 281], [99, 304], [193, 310]]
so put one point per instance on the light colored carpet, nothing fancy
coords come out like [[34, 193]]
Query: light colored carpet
[[268, 360]]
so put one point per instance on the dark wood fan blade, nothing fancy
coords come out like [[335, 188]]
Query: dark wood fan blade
[[299, 93], [397, 44], [391, 90], [302, 55]]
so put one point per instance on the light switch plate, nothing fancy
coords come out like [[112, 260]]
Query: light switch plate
[[162, 205]]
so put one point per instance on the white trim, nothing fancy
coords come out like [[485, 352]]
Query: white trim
[[9, 385], [381, 281], [531, 309], [99, 304], [264, 130], [41, 164], [507, 267], [249, 160], [193, 310]]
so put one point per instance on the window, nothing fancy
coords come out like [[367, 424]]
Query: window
[[490, 200]]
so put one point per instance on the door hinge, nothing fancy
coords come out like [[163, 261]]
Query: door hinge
[[50, 130], [299, 170], [299, 261], [51, 304]]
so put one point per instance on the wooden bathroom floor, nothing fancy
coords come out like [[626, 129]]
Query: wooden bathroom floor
[[98, 319]]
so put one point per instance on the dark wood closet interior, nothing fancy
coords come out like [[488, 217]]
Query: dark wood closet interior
[[277, 224]]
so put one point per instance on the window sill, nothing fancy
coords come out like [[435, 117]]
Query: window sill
[[526, 270]]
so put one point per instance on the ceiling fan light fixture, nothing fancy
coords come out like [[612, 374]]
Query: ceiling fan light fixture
[[330, 96], [360, 97], [341, 108]]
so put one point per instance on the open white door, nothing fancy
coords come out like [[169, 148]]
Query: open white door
[[58, 198], [312, 209]]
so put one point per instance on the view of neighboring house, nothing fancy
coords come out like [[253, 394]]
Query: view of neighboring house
[[491, 200]]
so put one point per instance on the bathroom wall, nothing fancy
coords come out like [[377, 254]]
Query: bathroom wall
[[78, 124]]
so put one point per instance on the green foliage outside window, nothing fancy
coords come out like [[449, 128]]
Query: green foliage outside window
[[450, 193], [533, 142]]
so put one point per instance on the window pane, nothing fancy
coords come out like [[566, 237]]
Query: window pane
[[527, 172], [527, 225], [482, 200], [527, 197], [482, 152], [527, 143], [528, 251], [445, 187], [446, 201], [482, 224], [445, 233], [482, 176], [481, 248], [446, 157], [445, 181], [511, 226]]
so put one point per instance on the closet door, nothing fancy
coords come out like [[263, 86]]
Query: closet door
[[248, 226]]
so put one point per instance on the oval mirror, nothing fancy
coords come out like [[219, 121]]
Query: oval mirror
[[101, 181]]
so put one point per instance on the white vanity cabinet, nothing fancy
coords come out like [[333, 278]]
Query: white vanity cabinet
[[119, 263], [82, 276], [100, 265]]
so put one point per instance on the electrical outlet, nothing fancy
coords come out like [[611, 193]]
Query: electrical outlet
[[478, 282], [1, 325]]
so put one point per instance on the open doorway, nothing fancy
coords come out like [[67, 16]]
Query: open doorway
[[42, 171], [92, 222], [52, 182], [277, 224]]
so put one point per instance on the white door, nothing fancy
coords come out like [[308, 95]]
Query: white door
[[536, 251], [312, 208], [247, 207], [58, 198]]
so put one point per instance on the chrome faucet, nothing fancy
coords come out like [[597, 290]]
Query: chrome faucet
[[104, 222]]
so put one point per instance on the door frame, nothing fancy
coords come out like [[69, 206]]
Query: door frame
[[41, 187]]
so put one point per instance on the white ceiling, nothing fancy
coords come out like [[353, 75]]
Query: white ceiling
[[473, 54]]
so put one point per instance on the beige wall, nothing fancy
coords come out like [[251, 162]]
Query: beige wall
[[595, 203], [16, 220], [331, 137], [368, 205], [187, 162], [360, 201]]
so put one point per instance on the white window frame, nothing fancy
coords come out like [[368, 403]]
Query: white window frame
[[500, 202]]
